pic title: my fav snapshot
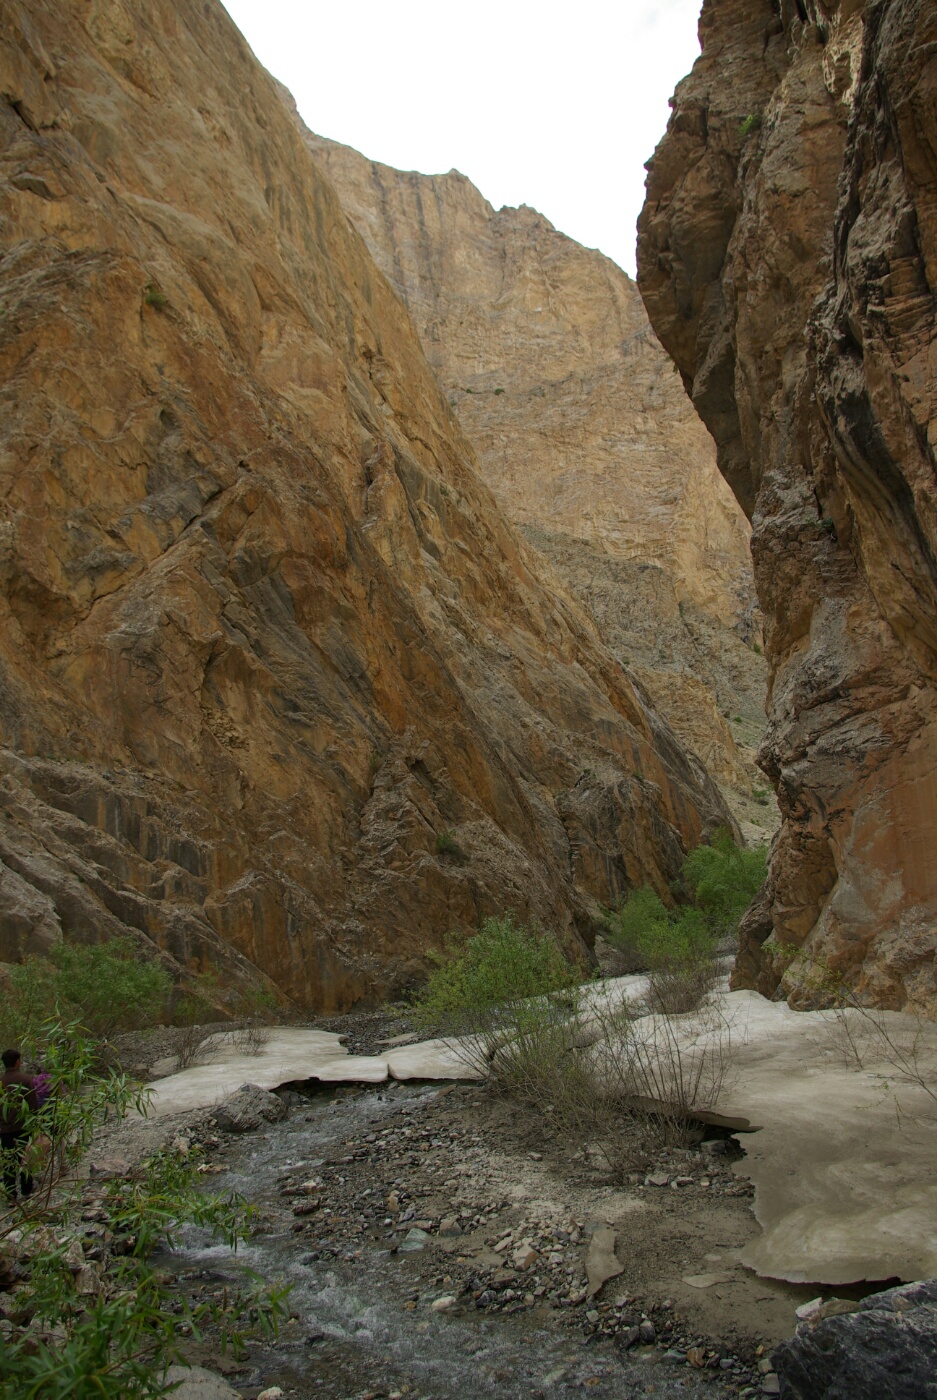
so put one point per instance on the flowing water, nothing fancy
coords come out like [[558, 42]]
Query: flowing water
[[353, 1335]]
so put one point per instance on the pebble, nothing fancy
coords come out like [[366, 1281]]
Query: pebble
[[647, 1332], [657, 1179], [272, 1392], [444, 1303], [771, 1385]]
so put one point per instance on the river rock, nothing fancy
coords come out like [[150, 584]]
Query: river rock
[[601, 1261], [414, 1240], [249, 1108], [198, 1383], [885, 1350]]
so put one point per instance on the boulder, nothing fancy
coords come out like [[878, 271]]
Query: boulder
[[249, 1109], [885, 1350]]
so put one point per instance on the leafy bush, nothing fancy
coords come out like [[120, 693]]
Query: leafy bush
[[724, 879], [115, 1339], [749, 124], [504, 989], [446, 844], [678, 946], [152, 296], [483, 974], [106, 987]]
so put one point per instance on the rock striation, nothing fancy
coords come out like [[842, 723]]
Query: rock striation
[[281, 690], [584, 433], [787, 256], [883, 1348]]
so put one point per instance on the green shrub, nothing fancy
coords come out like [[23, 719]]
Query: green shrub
[[506, 998], [488, 976], [724, 879], [678, 946], [116, 1342], [107, 987], [152, 296], [447, 845], [749, 124]]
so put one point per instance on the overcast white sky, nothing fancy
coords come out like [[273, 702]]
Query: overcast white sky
[[552, 105]]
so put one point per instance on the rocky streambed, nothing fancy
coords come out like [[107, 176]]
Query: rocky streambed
[[442, 1243]]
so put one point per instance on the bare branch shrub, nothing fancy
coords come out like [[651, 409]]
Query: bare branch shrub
[[627, 1078], [251, 1038], [191, 1046], [865, 1035], [679, 985]]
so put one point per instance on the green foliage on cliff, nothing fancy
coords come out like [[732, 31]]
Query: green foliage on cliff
[[678, 946], [106, 987]]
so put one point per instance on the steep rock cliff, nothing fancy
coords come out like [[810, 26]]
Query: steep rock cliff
[[265, 636], [787, 255], [584, 433]]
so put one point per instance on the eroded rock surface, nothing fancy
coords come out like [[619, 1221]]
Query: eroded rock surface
[[266, 639], [584, 433], [787, 257], [885, 1349]]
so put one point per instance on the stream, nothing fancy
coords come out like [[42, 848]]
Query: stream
[[363, 1322]]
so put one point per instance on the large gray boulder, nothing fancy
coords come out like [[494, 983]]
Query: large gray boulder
[[885, 1350], [248, 1109]]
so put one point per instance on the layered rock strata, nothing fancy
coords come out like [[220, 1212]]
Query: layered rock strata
[[584, 433], [280, 688], [787, 256]]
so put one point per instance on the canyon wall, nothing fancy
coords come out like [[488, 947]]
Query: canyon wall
[[281, 691], [585, 434], [787, 255]]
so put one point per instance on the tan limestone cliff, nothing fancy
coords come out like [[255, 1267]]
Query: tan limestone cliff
[[265, 636], [787, 256], [584, 433]]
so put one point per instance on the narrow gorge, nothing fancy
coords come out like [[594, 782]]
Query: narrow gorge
[[283, 693], [468, 738], [585, 435]]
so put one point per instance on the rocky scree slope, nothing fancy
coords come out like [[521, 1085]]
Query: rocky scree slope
[[787, 256], [266, 637], [584, 433]]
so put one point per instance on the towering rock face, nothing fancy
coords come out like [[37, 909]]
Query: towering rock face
[[265, 636], [583, 431], [787, 256]]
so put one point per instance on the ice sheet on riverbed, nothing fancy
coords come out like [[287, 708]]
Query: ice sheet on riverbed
[[843, 1159], [296, 1054]]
